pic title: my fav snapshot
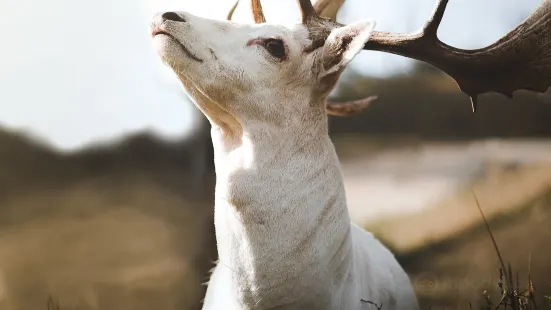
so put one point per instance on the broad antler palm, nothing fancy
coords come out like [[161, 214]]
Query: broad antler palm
[[519, 60]]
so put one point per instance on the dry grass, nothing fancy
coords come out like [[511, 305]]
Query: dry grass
[[457, 271], [512, 297]]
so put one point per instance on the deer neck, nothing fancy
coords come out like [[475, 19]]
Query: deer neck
[[281, 219]]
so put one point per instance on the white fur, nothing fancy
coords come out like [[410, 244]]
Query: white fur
[[284, 235]]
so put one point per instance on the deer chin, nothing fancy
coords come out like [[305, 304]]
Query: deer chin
[[216, 113], [172, 49]]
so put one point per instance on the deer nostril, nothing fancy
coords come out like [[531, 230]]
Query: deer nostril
[[173, 16]]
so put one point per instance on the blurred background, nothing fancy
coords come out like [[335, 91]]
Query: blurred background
[[106, 173]]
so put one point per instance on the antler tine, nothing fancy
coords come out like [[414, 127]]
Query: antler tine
[[348, 108], [232, 10], [306, 10], [519, 60], [258, 14], [328, 8], [431, 26]]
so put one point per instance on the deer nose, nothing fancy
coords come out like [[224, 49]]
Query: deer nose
[[173, 16]]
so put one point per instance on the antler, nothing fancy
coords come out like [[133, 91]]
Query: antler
[[348, 108], [307, 11], [256, 7], [258, 14], [519, 60], [328, 8], [232, 10]]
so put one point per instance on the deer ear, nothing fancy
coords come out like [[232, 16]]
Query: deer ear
[[343, 44]]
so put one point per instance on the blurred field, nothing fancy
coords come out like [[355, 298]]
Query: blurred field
[[400, 189], [418, 198], [121, 227], [129, 225]]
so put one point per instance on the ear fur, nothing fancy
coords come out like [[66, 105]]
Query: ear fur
[[343, 44]]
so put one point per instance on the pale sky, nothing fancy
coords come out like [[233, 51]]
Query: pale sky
[[75, 72]]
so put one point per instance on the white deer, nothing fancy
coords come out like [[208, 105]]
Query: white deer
[[284, 235]]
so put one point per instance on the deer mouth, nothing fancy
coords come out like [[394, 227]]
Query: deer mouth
[[158, 32]]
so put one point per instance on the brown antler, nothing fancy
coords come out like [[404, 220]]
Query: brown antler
[[328, 8], [348, 108], [258, 14], [232, 10], [519, 60], [307, 11]]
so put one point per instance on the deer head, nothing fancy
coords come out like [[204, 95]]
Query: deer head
[[240, 74], [519, 60]]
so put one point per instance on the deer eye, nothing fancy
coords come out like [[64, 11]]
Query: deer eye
[[276, 48]]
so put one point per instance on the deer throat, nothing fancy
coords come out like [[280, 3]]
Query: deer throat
[[213, 111], [282, 224]]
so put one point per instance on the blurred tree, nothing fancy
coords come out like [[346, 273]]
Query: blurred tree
[[419, 67]]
